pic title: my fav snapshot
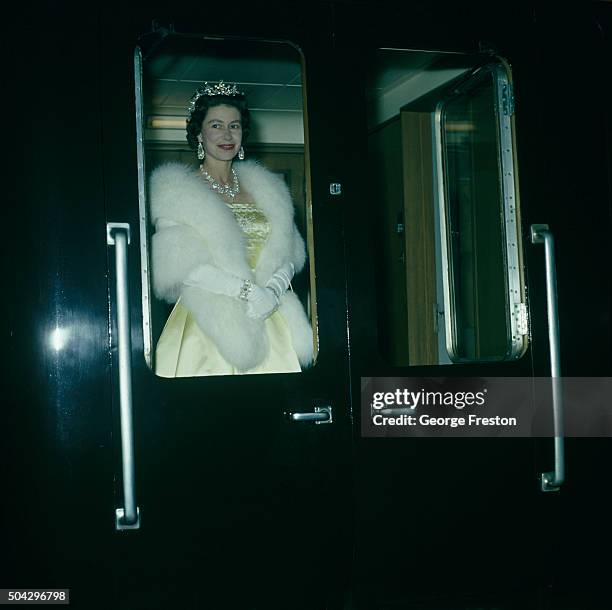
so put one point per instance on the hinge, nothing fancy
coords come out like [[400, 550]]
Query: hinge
[[508, 99], [522, 323]]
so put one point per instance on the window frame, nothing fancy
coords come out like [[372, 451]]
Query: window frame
[[311, 306], [516, 308]]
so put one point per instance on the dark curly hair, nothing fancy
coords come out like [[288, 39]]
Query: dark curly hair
[[205, 103]]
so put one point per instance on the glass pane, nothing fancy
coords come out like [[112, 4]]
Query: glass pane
[[410, 296], [229, 237], [449, 273], [485, 312], [475, 224]]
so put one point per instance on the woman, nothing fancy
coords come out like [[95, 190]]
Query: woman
[[225, 250]]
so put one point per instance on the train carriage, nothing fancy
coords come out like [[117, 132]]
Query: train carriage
[[446, 163]]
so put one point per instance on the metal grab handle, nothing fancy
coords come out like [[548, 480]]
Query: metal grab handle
[[552, 481], [320, 415], [118, 235]]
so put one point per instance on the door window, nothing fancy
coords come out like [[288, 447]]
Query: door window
[[440, 142], [271, 76]]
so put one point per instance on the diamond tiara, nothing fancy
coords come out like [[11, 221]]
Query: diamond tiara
[[219, 88]]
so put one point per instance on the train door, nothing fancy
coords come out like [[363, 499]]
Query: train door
[[444, 110], [576, 194], [151, 492], [243, 482]]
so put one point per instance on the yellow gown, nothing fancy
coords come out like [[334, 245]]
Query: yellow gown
[[183, 350]]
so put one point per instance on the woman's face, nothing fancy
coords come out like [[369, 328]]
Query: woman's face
[[221, 134]]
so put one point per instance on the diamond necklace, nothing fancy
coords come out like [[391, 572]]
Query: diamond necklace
[[223, 189]]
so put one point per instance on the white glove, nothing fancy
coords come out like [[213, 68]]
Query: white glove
[[281, 279], [215, 280], [261, 302]]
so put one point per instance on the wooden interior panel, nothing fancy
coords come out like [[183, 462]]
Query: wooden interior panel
[[420, 237]]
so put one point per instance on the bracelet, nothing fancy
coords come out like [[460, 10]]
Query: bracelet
[[245, 290]]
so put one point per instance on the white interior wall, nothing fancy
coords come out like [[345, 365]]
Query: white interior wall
[[267, 127], [390, 101]]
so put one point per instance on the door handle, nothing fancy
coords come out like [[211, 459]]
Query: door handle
[[118, 235], [552, 481], [320, 415]]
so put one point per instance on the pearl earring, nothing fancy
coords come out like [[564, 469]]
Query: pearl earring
[[241, 153]]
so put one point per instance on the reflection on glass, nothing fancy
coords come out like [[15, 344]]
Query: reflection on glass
[[475, 225]]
